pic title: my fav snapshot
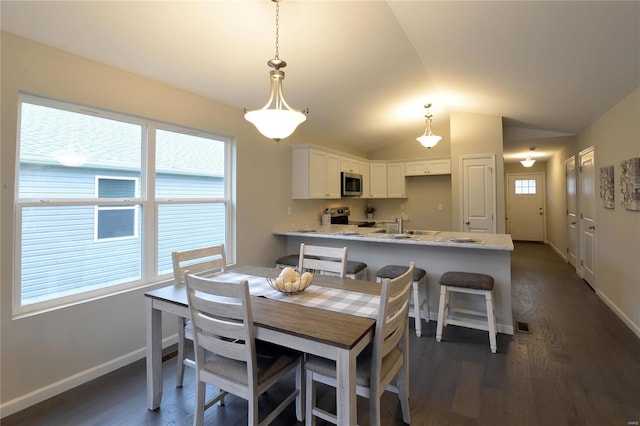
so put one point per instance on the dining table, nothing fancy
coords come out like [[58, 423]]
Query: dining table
[[334, 318]]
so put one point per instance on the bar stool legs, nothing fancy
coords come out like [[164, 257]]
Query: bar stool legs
[[419, 280], [470, 283]]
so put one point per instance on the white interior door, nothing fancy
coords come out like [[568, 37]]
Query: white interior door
[[478, 194], [525, 206], [587, 216], [572, 214]]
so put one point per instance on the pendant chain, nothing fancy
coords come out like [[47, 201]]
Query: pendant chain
[[277, 28]]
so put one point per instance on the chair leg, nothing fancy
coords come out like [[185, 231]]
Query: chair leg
[[310, 399], [441, 315], [181, 352], [491, 318], [252, 414], [374, 408], [301, 387], [425, 300], [403, 382], [201, 389], [416, 308]]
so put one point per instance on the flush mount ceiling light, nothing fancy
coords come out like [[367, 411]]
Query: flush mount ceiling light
[[528, 162], [276, 120], [428, 140]]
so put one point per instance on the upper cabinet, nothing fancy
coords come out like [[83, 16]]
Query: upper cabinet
[[428, 167], [386, 180], [395, 180], [315, 174], [378, 180], [350, 165]]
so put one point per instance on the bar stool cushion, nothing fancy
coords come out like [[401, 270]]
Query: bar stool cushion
[[394, 271], [353, 267], [467, 280], [289, 260]]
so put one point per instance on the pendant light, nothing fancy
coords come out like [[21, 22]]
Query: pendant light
[[428, 140], [276, 120], [528, 162]]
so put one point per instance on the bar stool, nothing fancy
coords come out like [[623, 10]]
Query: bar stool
[[471, 283], [355, 270], [419, 277]]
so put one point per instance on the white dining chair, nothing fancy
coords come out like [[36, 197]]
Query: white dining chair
[[323, 260], [223, 328], [383, 365], [200, 261]]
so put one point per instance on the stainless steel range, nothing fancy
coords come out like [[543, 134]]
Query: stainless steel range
[[340, 215]]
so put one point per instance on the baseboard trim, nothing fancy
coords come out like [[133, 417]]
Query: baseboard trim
[[559, 252], [46, 392], [634, 327]]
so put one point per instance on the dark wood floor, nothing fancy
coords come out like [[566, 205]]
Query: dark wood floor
[[580, 365]]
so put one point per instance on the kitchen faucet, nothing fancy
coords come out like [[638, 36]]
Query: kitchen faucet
[[400, 222]]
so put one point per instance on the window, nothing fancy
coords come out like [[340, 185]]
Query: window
[[104, 198], [115, 221], [526, 186]]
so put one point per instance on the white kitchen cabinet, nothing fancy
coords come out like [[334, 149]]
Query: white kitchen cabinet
[[395, 180], [315, 174], [428, 167], [350, 165], [378, 180], [366, 179]]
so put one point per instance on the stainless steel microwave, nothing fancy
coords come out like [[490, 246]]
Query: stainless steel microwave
[[351, 184]]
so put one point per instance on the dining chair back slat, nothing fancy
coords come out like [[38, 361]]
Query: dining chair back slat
[[222, 325], [200, 261], [324, 260]]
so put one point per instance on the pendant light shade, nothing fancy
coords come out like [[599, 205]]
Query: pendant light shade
[[428, 140], [528, 162], [276, 120]]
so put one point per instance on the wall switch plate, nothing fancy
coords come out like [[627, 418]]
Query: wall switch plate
[[289, 211]]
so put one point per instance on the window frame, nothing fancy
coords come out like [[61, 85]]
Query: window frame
[[144, 198]]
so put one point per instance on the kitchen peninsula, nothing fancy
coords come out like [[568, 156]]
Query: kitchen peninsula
[[435, 251]]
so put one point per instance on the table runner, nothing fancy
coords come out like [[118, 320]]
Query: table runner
[[316, 296]]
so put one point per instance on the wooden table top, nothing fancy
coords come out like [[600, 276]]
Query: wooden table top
[[334, 328]]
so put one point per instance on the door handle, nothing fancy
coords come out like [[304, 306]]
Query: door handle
[[573, 223], [592, 227], [467, 223]]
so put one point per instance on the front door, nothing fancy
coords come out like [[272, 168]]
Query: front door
[[478, 194], [525, 206], [572, 213], [587, 216]]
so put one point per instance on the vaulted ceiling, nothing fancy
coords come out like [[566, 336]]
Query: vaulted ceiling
[[366, 68]]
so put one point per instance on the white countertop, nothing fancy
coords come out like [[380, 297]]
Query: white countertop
[[439, 238]]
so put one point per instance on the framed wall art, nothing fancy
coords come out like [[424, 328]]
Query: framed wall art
[[607, 187], [630, 183]]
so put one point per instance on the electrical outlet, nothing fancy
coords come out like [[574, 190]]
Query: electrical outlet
[[289, 211], [440, 206]]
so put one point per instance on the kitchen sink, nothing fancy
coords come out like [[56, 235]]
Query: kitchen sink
[[423, 232], [408, 234]]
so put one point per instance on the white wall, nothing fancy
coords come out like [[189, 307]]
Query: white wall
[[47, 353], [616, 137], [476, 134]]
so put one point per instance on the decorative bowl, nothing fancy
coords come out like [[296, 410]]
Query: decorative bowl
[[289, 281]]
